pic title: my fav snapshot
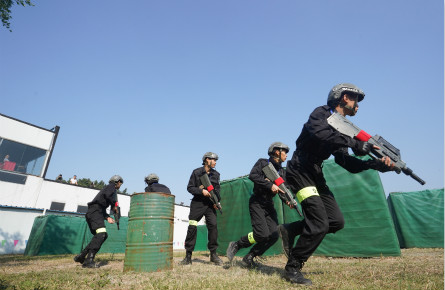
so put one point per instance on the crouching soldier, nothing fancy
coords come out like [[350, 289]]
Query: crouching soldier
[[95, 217], [153, 184]]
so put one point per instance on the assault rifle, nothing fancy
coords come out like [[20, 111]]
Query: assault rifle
[[208, 185], [272, 174], [116, 214], [347, 128]]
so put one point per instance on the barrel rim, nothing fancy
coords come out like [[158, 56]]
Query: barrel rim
[[161, 193]]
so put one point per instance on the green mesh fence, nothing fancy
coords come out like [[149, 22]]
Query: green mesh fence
[[55, 235], [369, 230], [418, 218]]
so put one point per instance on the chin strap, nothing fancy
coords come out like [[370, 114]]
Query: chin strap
[[351, 109]]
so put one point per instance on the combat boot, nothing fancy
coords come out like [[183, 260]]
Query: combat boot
[[248, 261], [215, 259], [81, 257], [287, 239], [293, 273], [232, 249], [89, 261], [188, 259]]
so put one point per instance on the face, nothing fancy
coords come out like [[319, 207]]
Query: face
[[211, 162], [351, 102], [118, 185], [283, 155]]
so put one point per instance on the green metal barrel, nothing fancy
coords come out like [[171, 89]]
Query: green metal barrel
[[150, 232]]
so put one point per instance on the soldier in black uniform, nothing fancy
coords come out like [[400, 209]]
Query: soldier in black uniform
[[261, 207], [202, 206], [95, 217], [317, 141], [153, 184]]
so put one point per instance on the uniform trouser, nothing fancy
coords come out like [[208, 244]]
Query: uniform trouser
[[199, 209], [95, 221], [321, 212], [321, 216], [264, 221]]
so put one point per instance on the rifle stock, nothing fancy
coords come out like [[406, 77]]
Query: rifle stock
[[272, 174], [205, 180], [347, 128]]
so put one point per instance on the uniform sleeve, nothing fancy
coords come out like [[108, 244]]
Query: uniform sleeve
[[318, 127], [193, 185], [348, 162], [111, 196], [258, 177]]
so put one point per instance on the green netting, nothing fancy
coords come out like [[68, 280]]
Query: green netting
[[368, 232], [418, 218], [55, 235]]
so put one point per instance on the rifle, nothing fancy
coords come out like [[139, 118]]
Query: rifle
[[272, 174], [347, 128], [208, 185], [116, 214]]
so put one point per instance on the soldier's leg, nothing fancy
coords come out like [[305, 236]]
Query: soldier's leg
[[212, 228], [197, 210]]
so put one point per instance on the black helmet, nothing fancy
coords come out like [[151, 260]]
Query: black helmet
[[337, 91], [277, 145]]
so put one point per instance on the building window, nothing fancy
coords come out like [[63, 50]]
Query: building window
[[82, 208], [21, 158], [57, 206]]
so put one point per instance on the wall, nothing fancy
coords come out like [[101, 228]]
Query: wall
[[19, 204], [15, 227]]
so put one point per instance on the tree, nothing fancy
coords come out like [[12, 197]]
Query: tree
[[5, 10]]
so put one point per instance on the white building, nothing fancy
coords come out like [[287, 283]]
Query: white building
[[25, 154]]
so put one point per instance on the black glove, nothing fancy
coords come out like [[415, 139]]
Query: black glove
[[362, 148], [378, 165]]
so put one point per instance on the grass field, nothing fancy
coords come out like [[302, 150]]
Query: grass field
[[415, 269]]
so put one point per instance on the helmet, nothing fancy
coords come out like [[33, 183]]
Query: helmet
[[210, 155], [277, 145], [116, 179], [152, 177], [338, 90]]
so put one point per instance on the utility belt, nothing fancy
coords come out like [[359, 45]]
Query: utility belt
[[309, 157]]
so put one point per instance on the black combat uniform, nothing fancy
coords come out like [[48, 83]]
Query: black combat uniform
[[263, 215], [157, 187], [317, 141], [202, 206], [95, 217]]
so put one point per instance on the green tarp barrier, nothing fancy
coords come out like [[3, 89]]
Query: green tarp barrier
[[418, 218], [55, 235], [369, 230]]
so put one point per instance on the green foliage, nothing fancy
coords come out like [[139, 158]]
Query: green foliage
[[5, 10], [86, 182]]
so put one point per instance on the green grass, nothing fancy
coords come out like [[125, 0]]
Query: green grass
[[415, 269]]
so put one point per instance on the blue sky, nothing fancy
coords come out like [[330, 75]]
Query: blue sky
[[150, 86]]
